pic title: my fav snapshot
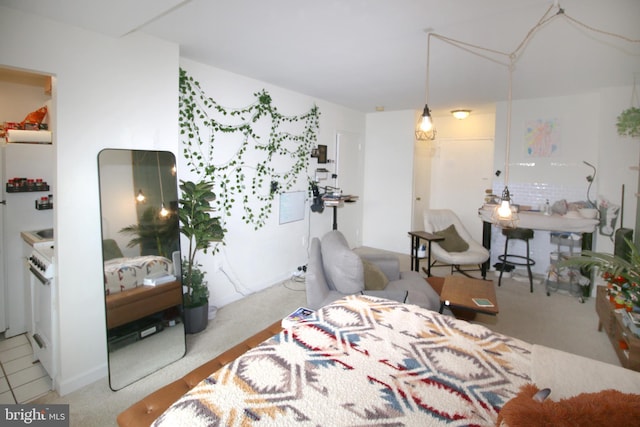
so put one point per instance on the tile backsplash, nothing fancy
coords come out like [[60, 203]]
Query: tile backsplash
[[535, 194]]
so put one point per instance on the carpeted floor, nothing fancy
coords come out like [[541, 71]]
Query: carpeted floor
[[559, 321]]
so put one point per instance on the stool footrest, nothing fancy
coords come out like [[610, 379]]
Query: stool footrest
[[509, 259]]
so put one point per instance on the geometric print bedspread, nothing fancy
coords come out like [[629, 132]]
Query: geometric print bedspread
[[363, 361]]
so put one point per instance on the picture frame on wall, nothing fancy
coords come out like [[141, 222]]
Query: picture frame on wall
[[320, 153]]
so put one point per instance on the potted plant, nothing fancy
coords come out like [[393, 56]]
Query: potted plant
[[155, 235], [629, 122], [201, 229], [621, 275]]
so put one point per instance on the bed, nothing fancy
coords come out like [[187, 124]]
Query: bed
[[364, 360], [128, 298]]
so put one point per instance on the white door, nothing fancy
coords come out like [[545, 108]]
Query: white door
[[421, 182], [349, 170], [461, 170]]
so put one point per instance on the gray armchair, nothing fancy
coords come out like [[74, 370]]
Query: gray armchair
[[334, 270]]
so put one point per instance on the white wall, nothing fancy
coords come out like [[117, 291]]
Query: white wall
[[388, 177], [399, 170], [578, 119], [587, 133], [252, 260], [117, 93], [616, 154], [458, 167]]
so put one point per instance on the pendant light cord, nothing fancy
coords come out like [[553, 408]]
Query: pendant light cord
[[507, 150], [634, 92], [426, 94], [160, 179], [509, 60]]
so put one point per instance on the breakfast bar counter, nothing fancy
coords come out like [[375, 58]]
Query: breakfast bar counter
[[539, 221], [570, 223]]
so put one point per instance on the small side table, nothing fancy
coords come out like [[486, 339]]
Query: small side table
[[460, 292], [415, 245]]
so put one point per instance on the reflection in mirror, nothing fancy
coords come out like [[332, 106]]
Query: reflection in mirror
[[141, 258]]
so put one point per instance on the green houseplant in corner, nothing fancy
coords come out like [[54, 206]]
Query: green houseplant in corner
[[201, 229], [629, 122], [622, 275]]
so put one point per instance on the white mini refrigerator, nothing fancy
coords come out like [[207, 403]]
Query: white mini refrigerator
[[19, 213]]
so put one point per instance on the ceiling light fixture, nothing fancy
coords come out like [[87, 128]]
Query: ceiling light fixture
[[460, 114]]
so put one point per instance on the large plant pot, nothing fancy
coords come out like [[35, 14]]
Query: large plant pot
[[196, 318]]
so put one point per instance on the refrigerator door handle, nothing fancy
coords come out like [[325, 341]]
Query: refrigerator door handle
[[3, 202]]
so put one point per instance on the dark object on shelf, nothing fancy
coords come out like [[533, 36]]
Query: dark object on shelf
[[43, 206], [22, 185], [320, 153], [134, 331]]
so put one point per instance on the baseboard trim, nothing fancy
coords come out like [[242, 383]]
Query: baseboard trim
[[69, 385]]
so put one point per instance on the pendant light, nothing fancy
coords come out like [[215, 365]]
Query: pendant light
[[425, 130], [426, 123], [505, 215]]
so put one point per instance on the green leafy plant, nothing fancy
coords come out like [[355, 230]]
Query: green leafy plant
[[622, 276], [155, 234], [629, 122], [259, 145], [201, 229], [193, 278]]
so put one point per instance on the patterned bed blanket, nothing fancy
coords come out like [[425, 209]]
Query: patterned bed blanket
[[363, 361]]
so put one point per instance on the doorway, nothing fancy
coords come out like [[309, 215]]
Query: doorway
[[21, 92], [453, 173], [349, 171]]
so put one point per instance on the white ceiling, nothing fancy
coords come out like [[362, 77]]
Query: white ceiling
[[368, 53]]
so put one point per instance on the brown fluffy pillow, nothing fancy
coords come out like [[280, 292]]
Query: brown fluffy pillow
[[452, 241], [605, 408], [374, 277]]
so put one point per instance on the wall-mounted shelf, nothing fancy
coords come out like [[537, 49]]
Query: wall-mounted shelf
[[10, 189], [43, 206], [26, 185]]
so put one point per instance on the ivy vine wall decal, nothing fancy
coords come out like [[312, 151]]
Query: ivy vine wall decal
[[250, 154]]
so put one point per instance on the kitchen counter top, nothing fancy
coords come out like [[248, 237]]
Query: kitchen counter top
[[37, 236], [555, 222]]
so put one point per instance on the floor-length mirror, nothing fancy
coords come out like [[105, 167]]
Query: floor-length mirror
[[141, 258]]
